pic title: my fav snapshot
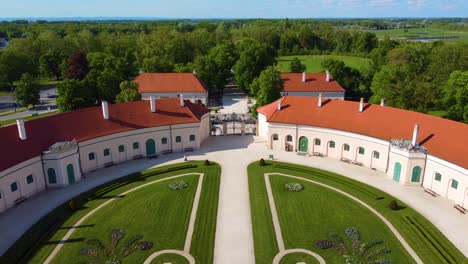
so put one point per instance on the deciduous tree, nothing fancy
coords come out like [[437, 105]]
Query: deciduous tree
[[128, 92], [27, 90], [297, 66]]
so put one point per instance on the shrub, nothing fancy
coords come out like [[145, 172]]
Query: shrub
[[178, 185], [73, 204], [293, 187], [261, 162], [207, 163], [393, 205]]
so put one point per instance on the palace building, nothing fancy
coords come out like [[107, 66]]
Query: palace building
[[312, 84], [55, 151], [410, 147], [168, 85]]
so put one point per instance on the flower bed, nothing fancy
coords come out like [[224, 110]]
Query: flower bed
[[293, 187], [178, 185]]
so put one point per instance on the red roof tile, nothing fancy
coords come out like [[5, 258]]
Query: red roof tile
[[315, 82], [169, 83], [89, 123], [443, 138]]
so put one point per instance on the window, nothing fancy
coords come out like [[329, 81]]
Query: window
[[0, 195], [332, 144], [91, 156], [136, 145], [361, 150], [454, 184], [438, 177], [416, 175], [14, 187], [121, 148], [317, 142], [106, 152], [178, 139], [164, 141], [376, 155], [275, 136], [288, 138], [346, 147], [192, 137], [29, 179], [51, 176]]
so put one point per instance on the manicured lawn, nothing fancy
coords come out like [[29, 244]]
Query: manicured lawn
[[31, 117], [294, 258], [439, 113], [158, 213], [303, 212], [171, 258], [314, 62]]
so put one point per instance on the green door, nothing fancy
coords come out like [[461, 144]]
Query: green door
[[303, 144], [416, 174], [71, 174], [150, 148], [396, 172]]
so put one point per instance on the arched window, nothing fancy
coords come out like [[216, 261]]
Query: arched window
[[0, 195], [397, 172], [106, 152], [91, 156], [164, 141], [454, 184], [317, 142], [416, 175], [192, 138], [438, 177], [275, 136], [14, 187], [288, 138], [121, 148], [51, 175], [346, 147], [376, 155], [136, 145], [361, 150], [178, 139], [332, 144], [29, 179]]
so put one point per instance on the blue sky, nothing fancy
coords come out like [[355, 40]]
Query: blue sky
[[234, 8]]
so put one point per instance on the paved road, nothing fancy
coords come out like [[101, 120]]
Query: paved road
[[234, 241], [7, 103]]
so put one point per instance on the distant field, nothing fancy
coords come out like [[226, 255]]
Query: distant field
[[421, 33], [314, 62]]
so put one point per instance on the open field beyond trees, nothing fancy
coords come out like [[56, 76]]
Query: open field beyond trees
[[314, 62], [426, 32], [158, 213], [309, 215]]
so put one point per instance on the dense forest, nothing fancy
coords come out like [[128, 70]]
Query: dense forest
[[93, 59]]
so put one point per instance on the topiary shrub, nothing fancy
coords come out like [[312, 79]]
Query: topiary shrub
[[73, 205], [293, 187], [393, 205], [261, 162], [178, 185], [207, 163]]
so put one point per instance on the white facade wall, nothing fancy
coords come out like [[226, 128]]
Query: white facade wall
[[205, 128], [262, 126], [325, 95], [59, 162], [408, 161], [193, 97], [19, 174]]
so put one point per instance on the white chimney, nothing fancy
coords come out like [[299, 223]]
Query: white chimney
[[279, 104], [361, 105], [382, 102], [328, 76], [182, 100], [303, 77], [105, 109], [319, 103], [414, 142], [153, 104], [21, 129], [194, 72]]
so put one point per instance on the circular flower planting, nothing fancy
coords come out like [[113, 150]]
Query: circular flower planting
[[294, 187], [178, 185]]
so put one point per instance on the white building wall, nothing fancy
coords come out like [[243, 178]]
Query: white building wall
[[193, 97], [262, 126], [205, 128], [407, 160], [59, 163], [18, 174], [325, 95]]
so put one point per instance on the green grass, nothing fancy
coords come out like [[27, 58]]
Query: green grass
[[172, 258], [27, 118], [12, 112], [421, 33], [314, 62], [48, 82], [438, 113], [158, 213], [5, 93], [294, 258], [428, 242]]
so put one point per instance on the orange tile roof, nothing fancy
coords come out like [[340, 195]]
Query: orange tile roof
[[315, 82], [169, 83], [443, 138], [88, 123]]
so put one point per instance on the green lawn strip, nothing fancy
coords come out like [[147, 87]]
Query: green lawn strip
[[294, 258], [265, 245], [171, 258], [314, 62], [420, 33], [309, 215], [29, 245], [438, 113], [157, 212], [27, 118], [397, 218]]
